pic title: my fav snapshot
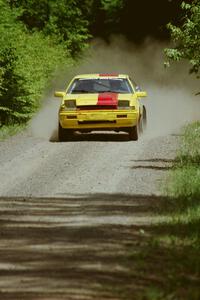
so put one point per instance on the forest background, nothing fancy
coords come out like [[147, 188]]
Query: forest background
[[38, 37]]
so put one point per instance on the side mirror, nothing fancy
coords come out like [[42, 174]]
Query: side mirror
[[141, 94], [59, 94]]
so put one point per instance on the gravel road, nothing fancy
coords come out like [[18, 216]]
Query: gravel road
[[69, 212], [96, 163]]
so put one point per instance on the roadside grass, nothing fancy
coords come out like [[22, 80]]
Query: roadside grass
[[10, 130], [165, 261], [183, 186], [176, 240], [163, 264]]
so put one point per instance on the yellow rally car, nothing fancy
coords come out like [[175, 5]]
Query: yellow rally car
[[101, 102]]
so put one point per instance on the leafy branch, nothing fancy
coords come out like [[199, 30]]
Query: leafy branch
[[186, 38]]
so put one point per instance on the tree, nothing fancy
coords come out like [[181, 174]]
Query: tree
[[27, 61], [66, 20], [72, 22], [186, 38]]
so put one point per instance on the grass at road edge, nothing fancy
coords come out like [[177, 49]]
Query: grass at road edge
[[162, 259], [183, 185], [6, 131], [167, 262], [177, 238]]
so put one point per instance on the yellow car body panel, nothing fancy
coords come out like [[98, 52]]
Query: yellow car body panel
[[117, 117], [88, 115]]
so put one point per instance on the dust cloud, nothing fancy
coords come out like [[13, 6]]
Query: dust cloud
[[171, 101], [44, 124]]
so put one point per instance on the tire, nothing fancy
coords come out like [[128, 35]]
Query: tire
[[61, 133], [144, 125], [133, 133], [64, 134], [141, 126]]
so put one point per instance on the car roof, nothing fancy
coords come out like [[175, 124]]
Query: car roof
[[100, 75]]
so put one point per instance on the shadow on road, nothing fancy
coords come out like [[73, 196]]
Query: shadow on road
[[156, 164], [97, 246], [96, 137], [158, 168], [154, 160]]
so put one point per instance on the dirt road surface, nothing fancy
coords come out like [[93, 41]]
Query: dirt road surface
[[72, 214]]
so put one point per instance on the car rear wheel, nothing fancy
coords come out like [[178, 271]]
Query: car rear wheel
[[143, 121], [133, 133], [140, 125], [144, 125]]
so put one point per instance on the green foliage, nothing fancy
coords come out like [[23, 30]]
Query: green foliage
[[184, 180], [70, 21], [10, 130], [186, 37], [185, 183], [26, 63], [112, 7], [66, 20], [36, 38], [189, 152], [34, 13], [112, 10]]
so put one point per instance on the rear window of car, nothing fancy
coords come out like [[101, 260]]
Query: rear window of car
[[100, 85]]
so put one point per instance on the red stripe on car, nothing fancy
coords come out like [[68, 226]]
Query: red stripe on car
[[109, 75], [108, 99]]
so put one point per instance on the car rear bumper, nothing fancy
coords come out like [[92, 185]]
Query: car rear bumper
[[98, 119]]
